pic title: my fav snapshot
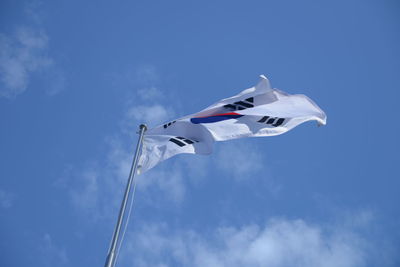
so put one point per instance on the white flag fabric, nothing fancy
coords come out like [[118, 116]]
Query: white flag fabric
[[257, 111]]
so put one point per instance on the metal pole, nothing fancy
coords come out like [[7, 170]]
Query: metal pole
[[110, 261]]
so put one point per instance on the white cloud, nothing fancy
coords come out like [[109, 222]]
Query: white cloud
[[145, 102], [141, 81], [56, 80], [33, 10], [86, 196], [6, 199], [246, 158], [165, 180], [97, 188], [243, 162], [152, 115], [146, 74], [25, 52], [150, 93], [51, 254], [20, 56], [279, 243]]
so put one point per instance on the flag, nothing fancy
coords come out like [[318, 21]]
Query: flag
[[257, 111]]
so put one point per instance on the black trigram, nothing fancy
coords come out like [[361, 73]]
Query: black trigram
[[240, 105], [274, 121], [168, 124], [181, 141]]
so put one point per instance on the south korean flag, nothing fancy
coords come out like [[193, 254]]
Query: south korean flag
[[257, 111]]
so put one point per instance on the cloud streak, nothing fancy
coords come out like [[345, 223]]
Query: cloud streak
[[6, 199], [21, 55], [97, 188], [278, 243], [247, 158], [52, 254], [167, 181], [24, 52]]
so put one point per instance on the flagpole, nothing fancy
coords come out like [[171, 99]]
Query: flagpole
[[110, 261]]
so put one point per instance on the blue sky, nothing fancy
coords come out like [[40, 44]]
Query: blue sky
[[77, 78]]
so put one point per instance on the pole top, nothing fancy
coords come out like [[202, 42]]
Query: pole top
[[143, 126]]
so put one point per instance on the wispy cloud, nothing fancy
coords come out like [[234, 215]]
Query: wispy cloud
[[52, 254], [247, 157], [86, 196], [6, 199], [150, 93], [97, 188], [20, 56], [152, 114], [146, 74], [147, 103], [56, 79], [244, 162], [165, 181], [278, 243], [24, 53]]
